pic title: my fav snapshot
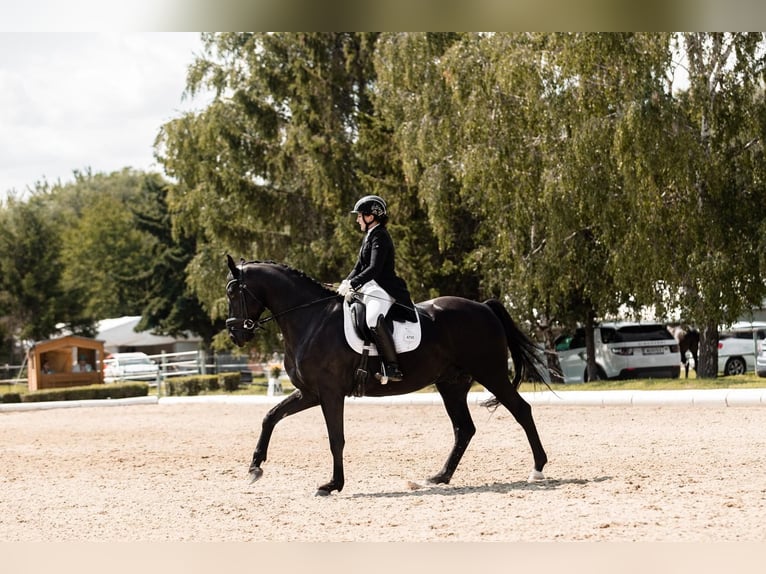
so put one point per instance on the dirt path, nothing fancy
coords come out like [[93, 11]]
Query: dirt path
[[178, 473]]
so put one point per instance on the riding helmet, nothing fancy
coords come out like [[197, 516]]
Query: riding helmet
[[371, 205]]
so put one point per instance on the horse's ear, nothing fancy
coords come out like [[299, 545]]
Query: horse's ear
[[232, 266]]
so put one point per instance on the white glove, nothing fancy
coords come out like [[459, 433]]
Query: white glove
[[344, 288]]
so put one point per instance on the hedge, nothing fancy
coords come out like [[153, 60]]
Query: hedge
[[10, 398], [193, 385], [176, 386], [116, 391]]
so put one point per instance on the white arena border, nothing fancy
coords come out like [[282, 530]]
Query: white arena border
[[702, 398], [47, 405], [707, 397]]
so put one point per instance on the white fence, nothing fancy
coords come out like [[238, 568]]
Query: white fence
[[169, 365]]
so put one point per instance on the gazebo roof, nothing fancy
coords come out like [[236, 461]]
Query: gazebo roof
[[66, 341]]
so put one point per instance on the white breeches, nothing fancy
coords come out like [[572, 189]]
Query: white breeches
[[376, 300]]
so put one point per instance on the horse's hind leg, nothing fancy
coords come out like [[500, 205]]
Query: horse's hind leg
[[293, 403], [455, 395], [510, 398]]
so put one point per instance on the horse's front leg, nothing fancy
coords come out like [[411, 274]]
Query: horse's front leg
[[332, 409], [454, 396], [295, 402]]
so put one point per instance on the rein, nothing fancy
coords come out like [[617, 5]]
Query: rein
[[291, 309], [249, 324]]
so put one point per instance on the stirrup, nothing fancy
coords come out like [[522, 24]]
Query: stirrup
[[395, 376]]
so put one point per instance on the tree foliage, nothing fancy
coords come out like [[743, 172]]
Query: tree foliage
[[722, 182], [95, 248], [268, 169], [168, 306], [31, 302], [271, 168], [572, 174]]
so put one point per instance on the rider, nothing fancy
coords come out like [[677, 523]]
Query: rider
[[375, 278]]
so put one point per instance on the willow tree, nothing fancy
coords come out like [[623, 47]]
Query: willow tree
[[722, 182], [512, 139], [413, 95]]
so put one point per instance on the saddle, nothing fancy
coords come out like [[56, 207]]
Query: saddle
[[406, 334]]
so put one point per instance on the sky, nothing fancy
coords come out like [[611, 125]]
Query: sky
[[78, 101]]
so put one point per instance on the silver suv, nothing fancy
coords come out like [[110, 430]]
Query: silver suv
[[623, 351]]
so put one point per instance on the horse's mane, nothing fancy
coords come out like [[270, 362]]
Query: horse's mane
[[294, 272]]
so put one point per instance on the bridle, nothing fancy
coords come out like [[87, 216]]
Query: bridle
[[246, 324], [249, 325]]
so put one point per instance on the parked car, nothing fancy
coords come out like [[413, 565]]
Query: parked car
[[623, 351], [129, 367], [760, 359], [738, 347]]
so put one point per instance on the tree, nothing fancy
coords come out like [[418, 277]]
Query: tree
[[701, 158], [267, 170], [169, 307], [272, 167], [594, 241], [413, 96], [510, 140], [102, 250], [31, 302]]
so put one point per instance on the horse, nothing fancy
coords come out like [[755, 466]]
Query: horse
[[688, 340], [461, 341]]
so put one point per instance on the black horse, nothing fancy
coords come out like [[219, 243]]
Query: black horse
[[688, 340], [462, 340]]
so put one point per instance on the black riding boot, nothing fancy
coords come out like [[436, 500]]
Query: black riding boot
[[384, 341]]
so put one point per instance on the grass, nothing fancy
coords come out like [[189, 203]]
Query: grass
[[748, 381]]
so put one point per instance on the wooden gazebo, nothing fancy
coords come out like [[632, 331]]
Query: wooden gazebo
[[50, 363]]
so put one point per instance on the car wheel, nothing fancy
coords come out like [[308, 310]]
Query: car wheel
[[735, 366]]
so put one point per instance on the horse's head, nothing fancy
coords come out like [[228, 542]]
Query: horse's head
[[244, 307]]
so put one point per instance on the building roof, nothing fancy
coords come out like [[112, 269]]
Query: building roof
[[120, 332]]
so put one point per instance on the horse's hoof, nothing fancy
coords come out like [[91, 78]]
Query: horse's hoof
[[322, 492], [255, 474], [536, 476], [438, 479]]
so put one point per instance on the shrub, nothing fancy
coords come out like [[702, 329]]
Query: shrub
[[116, 391], [229, 381], [192, 385], [11, 398]]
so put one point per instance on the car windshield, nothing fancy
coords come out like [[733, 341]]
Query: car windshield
[[632, 333]]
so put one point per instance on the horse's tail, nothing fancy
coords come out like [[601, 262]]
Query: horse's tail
[[528, 363]]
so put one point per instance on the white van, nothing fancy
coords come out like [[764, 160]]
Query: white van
[[130, 367], [623, 351]]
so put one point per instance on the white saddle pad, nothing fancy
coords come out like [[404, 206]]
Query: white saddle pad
[[406, 334]]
